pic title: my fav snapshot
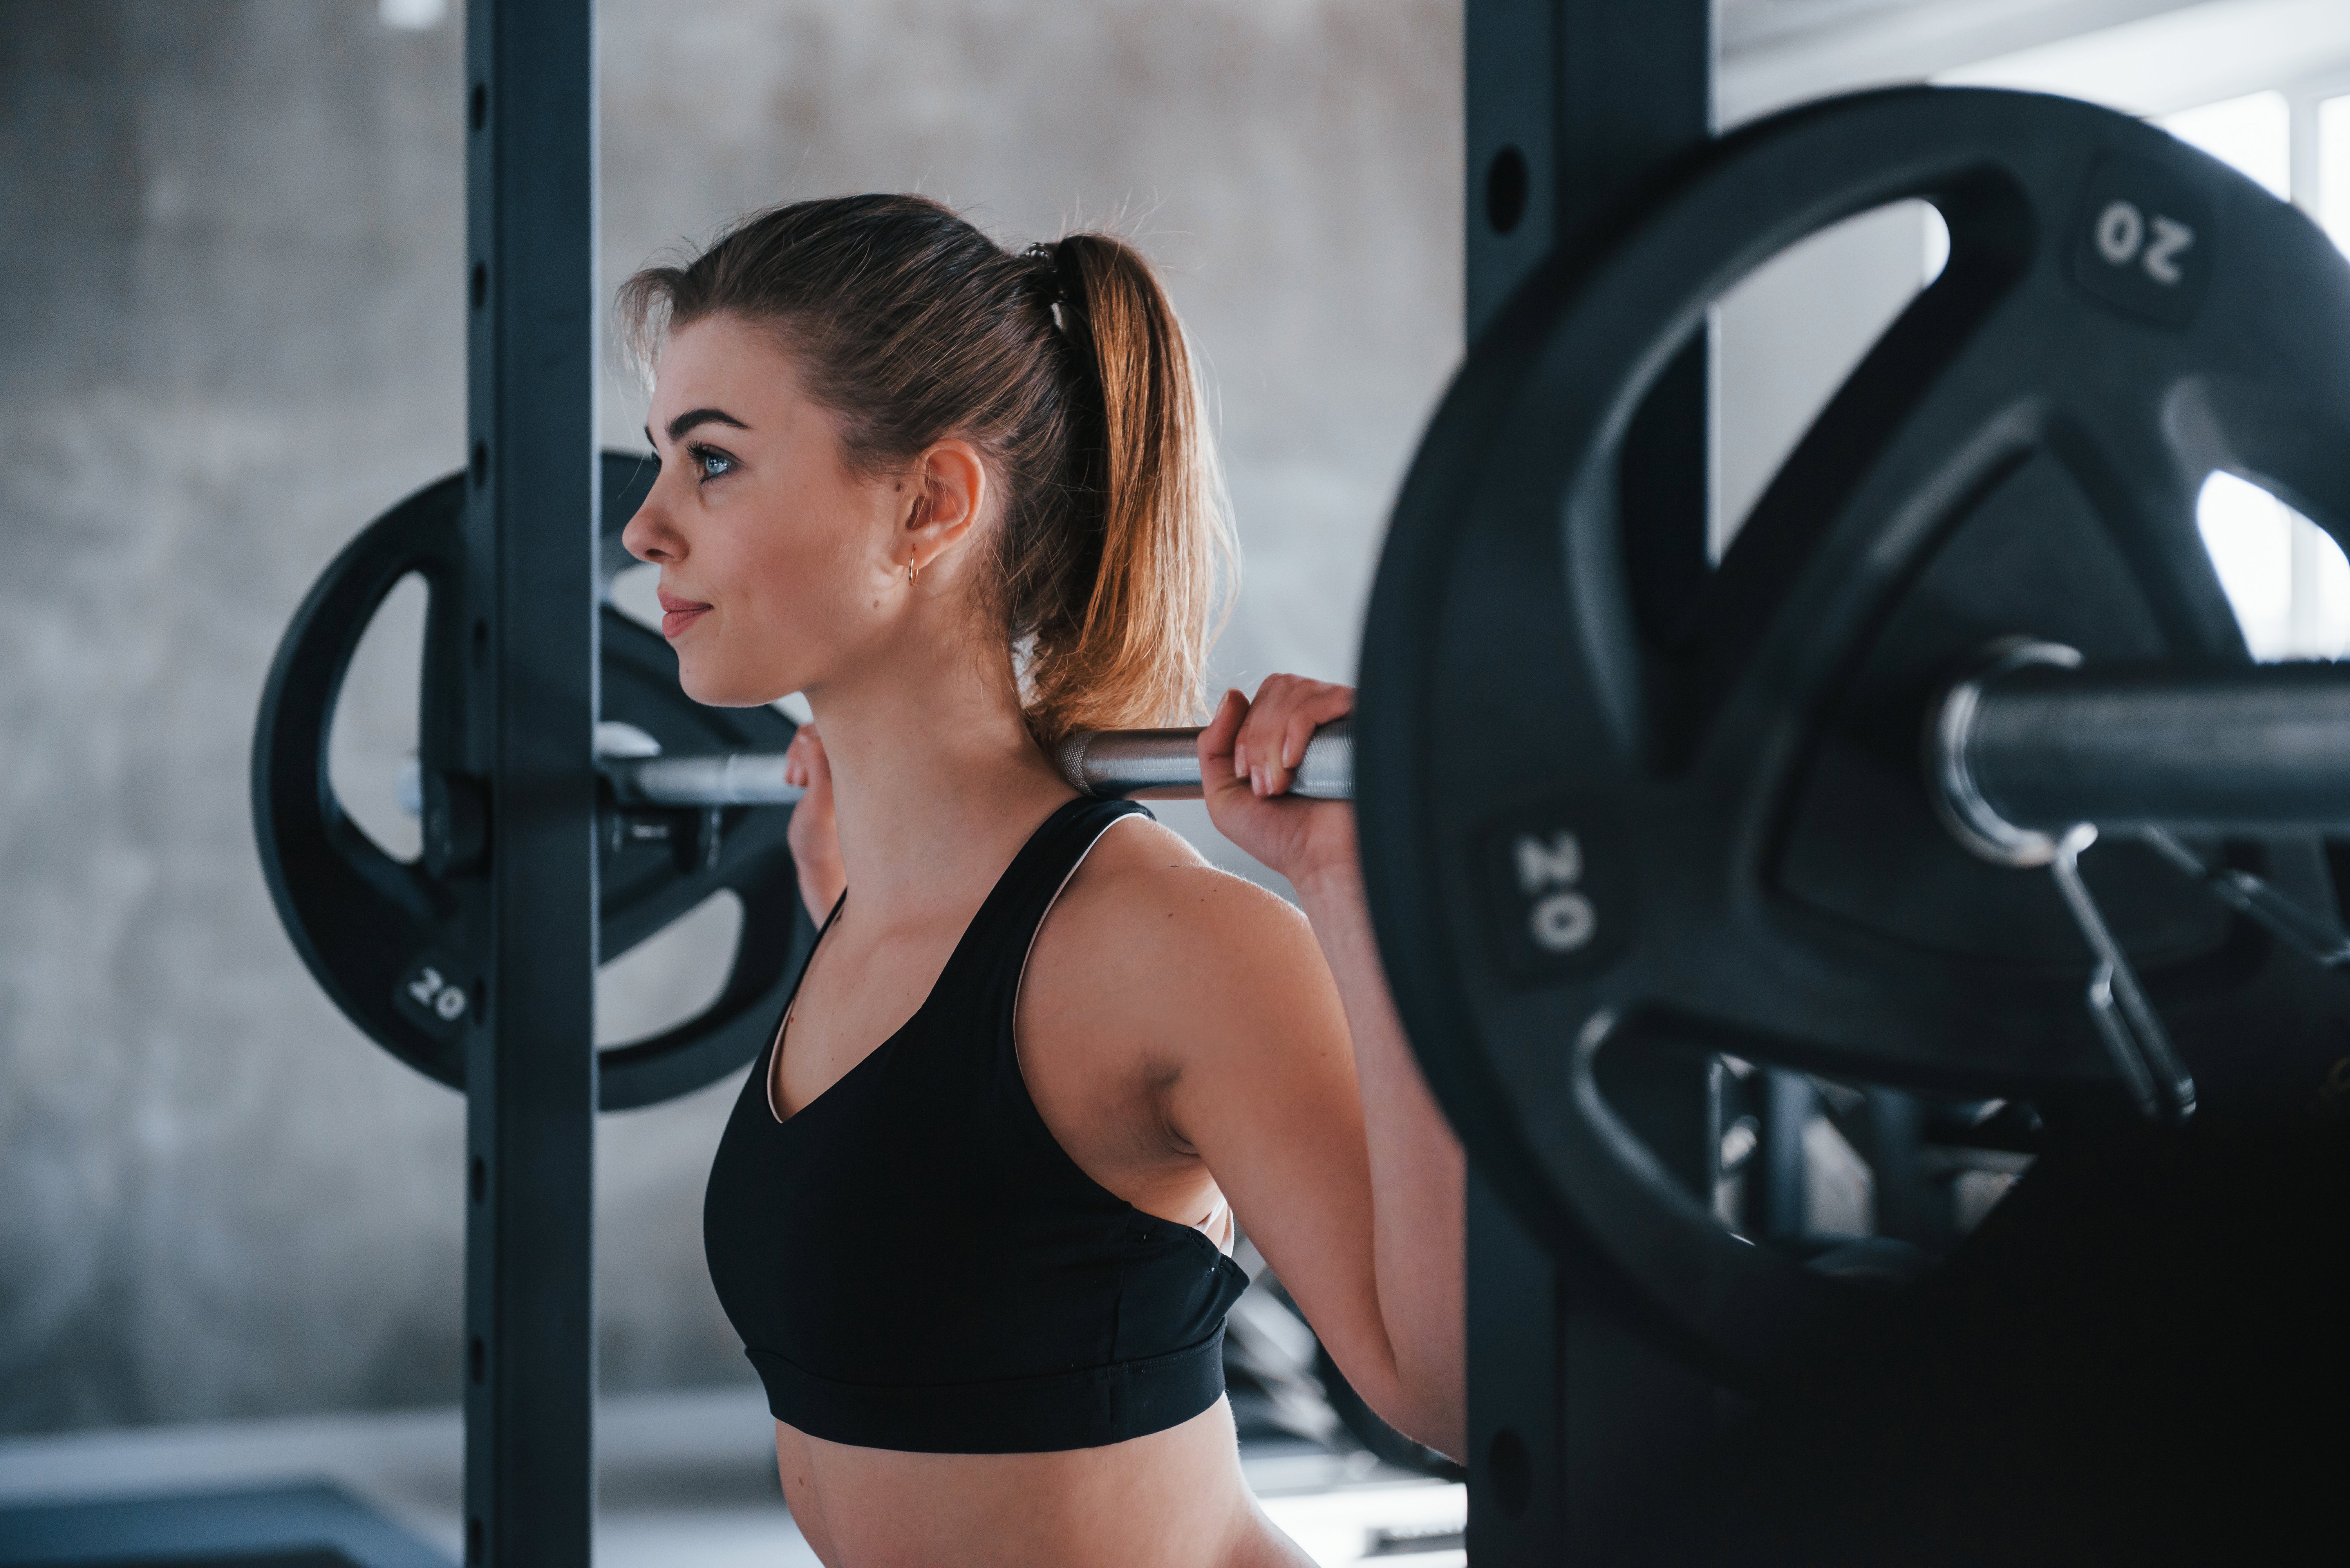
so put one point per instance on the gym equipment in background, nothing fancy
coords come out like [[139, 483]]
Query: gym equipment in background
[[692, 801], [398, 945], [1774, 823]]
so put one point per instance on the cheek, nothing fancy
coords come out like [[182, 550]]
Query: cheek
[[793, 591], [803, 579], [820, 552]]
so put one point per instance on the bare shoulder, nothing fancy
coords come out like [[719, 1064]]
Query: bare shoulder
[[1151, 941], [1145, 883]]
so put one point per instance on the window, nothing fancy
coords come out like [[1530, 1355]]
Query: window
[[2286, 577], [2253, 132], [2333, 180]]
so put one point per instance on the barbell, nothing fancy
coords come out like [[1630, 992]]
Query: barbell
[[396, 943], [2054, 747]]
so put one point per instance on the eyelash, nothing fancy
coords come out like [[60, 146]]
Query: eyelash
[[702, 456]]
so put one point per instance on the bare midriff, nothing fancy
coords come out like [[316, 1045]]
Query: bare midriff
[[1174, 1499]]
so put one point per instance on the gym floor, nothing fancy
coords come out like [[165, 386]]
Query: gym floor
[[686, 1480]]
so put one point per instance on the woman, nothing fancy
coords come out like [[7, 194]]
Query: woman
[[972, 1212]]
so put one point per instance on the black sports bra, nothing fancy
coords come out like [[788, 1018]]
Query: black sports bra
[[913, 1262]]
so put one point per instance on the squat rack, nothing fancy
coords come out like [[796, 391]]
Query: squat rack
[[1573, 108], [530, 709]]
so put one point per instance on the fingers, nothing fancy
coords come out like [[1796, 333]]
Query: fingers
[[804, 763], [1273, 735], [1219, 762]]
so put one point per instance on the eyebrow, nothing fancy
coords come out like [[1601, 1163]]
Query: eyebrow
[[693, 416]]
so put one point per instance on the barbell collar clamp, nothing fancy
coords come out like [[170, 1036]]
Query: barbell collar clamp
[[1957, 793], [2314, 936], [2159, 1084]]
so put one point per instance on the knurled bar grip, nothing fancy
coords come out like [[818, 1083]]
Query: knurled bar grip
[[1166, 763], [1162, 763]]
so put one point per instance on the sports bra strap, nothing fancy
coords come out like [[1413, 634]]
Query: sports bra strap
[[994, 951]]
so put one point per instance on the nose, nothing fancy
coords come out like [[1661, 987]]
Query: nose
[[649, 536]]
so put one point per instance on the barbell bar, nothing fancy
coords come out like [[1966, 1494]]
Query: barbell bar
[[2039, 744], [1161, 762], [2022, 752]]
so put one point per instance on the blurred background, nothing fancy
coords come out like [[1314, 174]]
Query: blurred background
[[232, 332]]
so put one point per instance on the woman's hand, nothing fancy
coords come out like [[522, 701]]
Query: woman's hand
[[1249, 755], [813, 835]]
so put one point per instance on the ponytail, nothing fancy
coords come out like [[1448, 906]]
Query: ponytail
[[1122, 641], [1066, 366]]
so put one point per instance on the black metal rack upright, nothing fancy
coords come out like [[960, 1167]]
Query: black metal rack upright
[[530, 1072], [1572, 107]]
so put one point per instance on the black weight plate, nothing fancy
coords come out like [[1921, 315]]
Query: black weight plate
[[391, 941], [1582, 835]]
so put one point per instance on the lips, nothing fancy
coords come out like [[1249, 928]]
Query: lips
[[677, 614]]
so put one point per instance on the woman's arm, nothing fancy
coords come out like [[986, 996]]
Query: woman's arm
[[1416, 1169]]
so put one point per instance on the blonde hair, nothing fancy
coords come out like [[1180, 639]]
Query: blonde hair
[[1066, 365]]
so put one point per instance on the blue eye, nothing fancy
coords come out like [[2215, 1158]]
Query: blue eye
[[711, 462]]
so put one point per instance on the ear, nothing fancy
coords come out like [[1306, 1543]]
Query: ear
[[948, 496]]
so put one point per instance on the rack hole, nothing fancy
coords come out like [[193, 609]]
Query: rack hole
[[1507, 183], [1512, 1470]]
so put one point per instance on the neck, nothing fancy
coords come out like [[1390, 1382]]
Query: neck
[[936, 780]]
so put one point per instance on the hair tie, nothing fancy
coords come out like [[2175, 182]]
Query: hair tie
[[1067, 302], [1041, 252], [1066, 281], [1065, 297]]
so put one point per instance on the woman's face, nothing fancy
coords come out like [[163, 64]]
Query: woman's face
[[778, 562]]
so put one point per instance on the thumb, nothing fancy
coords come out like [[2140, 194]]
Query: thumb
[[804, 763]]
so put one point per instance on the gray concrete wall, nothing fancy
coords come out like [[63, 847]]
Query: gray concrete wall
[[231, 252]]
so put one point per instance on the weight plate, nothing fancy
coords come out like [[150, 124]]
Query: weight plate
[[394, 942], [1587, 834]]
